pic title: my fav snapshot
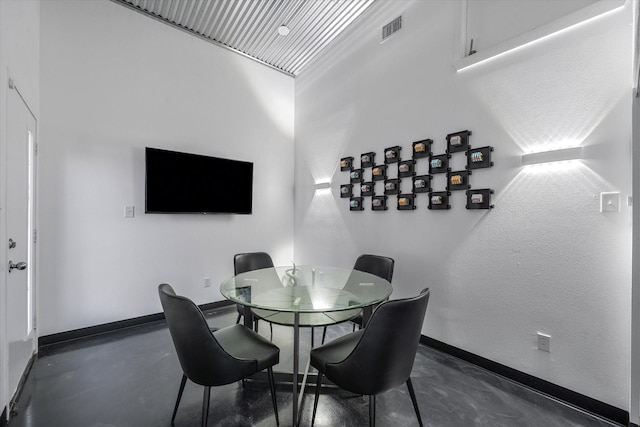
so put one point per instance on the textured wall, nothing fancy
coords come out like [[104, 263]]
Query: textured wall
[[545, 259], [113, 82]]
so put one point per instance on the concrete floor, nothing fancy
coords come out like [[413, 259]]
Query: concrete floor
[[131, 378]]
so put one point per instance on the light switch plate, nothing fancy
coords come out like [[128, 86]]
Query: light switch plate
[[610, 202], [129, 211]]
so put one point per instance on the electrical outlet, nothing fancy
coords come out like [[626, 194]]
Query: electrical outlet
[[544, 342], [207, 282]]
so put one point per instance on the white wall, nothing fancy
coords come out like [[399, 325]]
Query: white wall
[[114, 81], [19, 59], [545, 259]]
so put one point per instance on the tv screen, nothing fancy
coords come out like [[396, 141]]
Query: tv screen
[[178, 182]]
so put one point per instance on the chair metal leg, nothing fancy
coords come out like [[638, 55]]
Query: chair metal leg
[[238, 319], [271, 331], [272, 386], [372, 410], [313, 333], [315, 400], [175, 410], [205, 406], [412, 393]]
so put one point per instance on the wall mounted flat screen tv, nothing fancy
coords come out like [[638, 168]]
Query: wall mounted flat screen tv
[[178, 182]]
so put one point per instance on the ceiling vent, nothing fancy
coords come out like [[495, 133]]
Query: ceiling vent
[[391, 28]]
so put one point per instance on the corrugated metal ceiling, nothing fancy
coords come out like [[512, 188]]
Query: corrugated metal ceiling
[[250, 27]]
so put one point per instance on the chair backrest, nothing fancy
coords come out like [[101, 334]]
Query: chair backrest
[[384, 356], [251, 261], [202, 358], [381, 266]]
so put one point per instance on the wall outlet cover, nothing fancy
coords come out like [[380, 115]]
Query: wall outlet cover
[[544, 342]]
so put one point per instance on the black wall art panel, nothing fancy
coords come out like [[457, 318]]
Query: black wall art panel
[[346, 190], [406, 202], [392, 154], [422, 149], [422, 171], [422, 184], [458, 141], [479, 158], [367, 159], [379, 203]]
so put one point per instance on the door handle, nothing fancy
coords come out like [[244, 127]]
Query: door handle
[[19, 266]]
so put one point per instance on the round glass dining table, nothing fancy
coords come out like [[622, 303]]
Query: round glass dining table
[[305, 296]]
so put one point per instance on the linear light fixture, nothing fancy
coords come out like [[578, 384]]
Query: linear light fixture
[[322, 185], [561, 25], [562, 154]]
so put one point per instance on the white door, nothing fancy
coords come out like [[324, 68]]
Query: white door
[[21, 138]]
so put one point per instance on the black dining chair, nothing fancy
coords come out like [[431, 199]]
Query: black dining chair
[[250, 261], [380, 266], [214, 357], [378, 357]]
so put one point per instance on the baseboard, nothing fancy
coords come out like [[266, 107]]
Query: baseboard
[[75, 334], [571, 397], [21, 383]]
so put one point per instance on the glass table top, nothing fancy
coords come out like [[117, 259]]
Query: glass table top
[[306, 290]]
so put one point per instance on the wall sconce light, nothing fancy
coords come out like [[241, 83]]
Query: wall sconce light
[[322, 185], [573, 153]]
